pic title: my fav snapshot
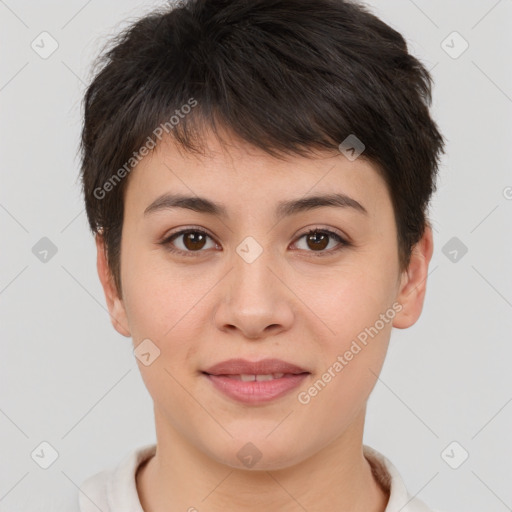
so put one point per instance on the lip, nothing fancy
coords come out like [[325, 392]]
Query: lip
[[222, 378], [263, 367]]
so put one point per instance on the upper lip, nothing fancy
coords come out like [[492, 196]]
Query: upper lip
[[263, 367]]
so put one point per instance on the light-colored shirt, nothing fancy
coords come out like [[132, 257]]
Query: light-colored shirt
[[115, 490]]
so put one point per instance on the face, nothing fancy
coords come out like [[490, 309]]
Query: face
[[250, 281]]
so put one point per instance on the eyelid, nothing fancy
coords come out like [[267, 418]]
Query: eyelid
[[322, 229], [185, 229]]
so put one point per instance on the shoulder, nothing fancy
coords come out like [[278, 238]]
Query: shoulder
[[389, 477], [115, 489], [93, 493]]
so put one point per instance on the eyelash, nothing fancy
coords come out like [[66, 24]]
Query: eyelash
[[168, 245]]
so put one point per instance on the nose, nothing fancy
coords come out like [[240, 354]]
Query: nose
[[254, 299]]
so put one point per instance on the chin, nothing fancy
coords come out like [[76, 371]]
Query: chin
[[258, 453]]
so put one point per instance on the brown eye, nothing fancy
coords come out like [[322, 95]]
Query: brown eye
[[317, 240], [194, 240], [188, 242]]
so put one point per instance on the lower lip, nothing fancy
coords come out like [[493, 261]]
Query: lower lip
[[255, 392]]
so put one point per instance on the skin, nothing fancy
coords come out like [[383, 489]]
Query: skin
[[288, 304]]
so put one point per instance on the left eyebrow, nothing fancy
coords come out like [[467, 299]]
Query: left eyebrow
[[284, 208]]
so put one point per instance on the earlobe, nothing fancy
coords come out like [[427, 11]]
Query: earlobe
[[414, 282], [114, 302]]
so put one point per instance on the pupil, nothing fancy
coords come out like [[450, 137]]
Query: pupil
[[189, 238], [318, 244]]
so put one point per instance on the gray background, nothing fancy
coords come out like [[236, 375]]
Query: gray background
[[69, 379]]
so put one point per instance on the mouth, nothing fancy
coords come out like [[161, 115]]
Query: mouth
[[255, 382]]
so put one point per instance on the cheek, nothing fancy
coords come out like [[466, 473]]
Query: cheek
[[156, 297], [166, 307], [356, 309], [161, 308], [348, 298], [360, 327]]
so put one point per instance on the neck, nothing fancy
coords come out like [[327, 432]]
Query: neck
[[180, 477]]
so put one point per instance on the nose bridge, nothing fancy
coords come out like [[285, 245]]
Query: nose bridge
[[252, 277], [253, 298]]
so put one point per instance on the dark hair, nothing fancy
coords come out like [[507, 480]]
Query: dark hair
[[287, 76]]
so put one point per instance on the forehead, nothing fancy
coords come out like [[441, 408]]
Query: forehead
[[237, 177]]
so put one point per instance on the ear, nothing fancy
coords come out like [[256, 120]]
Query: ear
[[114, 302], [414, 282]]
